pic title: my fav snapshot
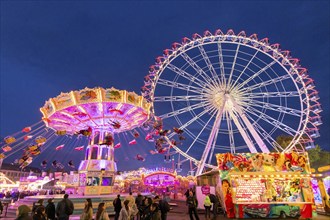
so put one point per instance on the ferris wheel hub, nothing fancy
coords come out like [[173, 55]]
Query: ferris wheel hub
[[216, 96]]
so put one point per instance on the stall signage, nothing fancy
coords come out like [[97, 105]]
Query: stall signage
[[205, 189]]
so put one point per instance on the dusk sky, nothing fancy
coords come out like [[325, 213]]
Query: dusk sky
[[49, 47]]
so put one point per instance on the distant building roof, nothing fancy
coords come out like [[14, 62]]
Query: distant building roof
[[8, 166]]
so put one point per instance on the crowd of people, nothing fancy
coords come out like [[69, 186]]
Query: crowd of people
[[15, 194], [210, 201], [62, 211], [130, 208], [139, 208]]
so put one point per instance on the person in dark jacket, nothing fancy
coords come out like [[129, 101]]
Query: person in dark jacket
[[36, 205], [23, 213], [164, 208], [153, 212], [117, 205], [64, 208], [192, 205], [40, 213], [216, 203], [1, 207], [50, 210], [146, 207], [139, 204]]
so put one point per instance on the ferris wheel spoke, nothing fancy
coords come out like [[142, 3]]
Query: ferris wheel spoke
[[213, 146], [222, 68], [197, 68], [181, 86], [228, 84], [178, 98], [209, 64], [266, 83], [243, 133], [186, 75], [266, 135], [210, 140], [230, 133], [192, 120], [277, 108], [283, 94], [250, 127], [182, 110], [272, 121], [196, 138], [241, 74], [256, 74]]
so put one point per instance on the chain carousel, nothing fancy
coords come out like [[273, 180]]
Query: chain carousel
[[98, 114]]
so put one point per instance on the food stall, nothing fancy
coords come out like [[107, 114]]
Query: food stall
[[260, 185], [208, 182]]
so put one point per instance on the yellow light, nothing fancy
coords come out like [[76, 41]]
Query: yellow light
[[73, 98], [81, 109], [119, 106]]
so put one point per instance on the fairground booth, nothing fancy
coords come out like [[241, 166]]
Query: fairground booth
[[266, 185]]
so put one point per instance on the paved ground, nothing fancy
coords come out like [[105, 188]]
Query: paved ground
[[179, 212]]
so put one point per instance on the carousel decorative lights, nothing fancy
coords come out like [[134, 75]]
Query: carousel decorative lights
[[98, 114]]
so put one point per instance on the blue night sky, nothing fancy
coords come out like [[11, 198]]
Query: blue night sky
[[59, 46]]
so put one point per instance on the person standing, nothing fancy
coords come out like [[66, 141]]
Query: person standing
[[50, 210], [125, 212], [164, 208], [101, 213], [37, 205], [88, 210], [146, 207], [139, 204], [131, 200], [23, 213], [117, 206], [207, 206], [153, 213], [192, 205], [40, 214], [1, 208], [216, 203], [64, 208]]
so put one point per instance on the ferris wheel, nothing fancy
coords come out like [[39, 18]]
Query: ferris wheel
[[232, 93]]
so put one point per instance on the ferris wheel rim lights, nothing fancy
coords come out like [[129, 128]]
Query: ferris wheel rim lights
[[298, 74]]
